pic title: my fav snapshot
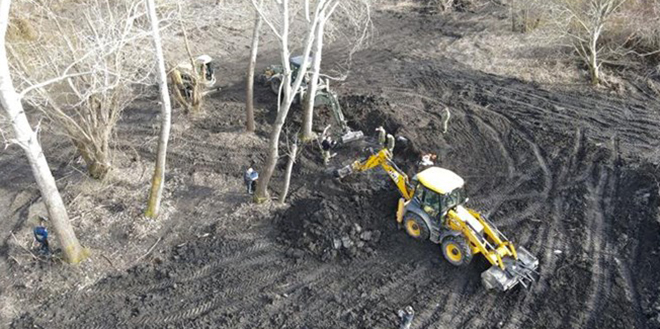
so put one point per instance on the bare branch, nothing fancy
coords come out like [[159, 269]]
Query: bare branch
[[263, 16], [53, 80]]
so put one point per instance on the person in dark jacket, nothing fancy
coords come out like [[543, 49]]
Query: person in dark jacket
[[327, 144], [41, 235]]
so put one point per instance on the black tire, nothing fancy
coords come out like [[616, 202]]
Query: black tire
[[415, 226], [275, 83], [457, 250]]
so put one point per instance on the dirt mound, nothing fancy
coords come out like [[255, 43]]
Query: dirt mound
[[330, 228]]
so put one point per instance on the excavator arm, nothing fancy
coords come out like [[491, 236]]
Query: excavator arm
[[327, 97], [381, 159]]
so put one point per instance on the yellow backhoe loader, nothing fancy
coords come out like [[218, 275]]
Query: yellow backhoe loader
[[432, 208]]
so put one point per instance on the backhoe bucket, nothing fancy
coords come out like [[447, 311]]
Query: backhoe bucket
[[352, 136], [344, 171], [521, 271]]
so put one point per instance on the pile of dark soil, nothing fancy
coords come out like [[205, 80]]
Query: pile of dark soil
[[330, 228]]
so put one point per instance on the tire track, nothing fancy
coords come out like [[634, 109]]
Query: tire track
[[504, 152], [542, 163], [229, 296], [420, 272], [322, 295], [190, 274], [605, 191], [548, 259], [595, 229]]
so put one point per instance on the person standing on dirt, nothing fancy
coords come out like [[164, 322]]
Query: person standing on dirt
[[326, 147], [41, 235], [327, 144], [250, 178], [382, 136], [406, 315], [428, 160]]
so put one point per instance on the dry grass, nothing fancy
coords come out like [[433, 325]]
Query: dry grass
[[20, 29]]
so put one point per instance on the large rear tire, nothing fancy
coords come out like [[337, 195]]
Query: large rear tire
[[415, 226], [457, 250]]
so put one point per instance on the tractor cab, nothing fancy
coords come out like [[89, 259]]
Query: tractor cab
[[296, 62], [437, 190], [206, 70]]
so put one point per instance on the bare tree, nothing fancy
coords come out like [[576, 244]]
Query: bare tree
[[157, 182], [93, 64], [249, 97], [308, 111], [27, 139], [187, 81], [584, 22], [286, 97], [292, 154], [354, 23]]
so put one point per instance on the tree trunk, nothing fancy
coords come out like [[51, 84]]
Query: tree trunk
[[289, 167], [98, 166], [593, 58], [308, 114], [249, 99], [27, 139], [96, 159], [288, 93], [273, 145], [157, 182]]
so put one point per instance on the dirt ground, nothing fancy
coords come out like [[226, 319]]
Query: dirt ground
[[567, 171]]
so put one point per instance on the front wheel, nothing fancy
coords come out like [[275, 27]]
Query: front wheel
[[415, 226], [456, 250], [275, 83]]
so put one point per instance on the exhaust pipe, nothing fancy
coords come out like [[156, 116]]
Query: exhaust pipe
[[521, 271]]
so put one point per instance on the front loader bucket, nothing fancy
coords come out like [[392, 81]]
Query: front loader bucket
[[521, 271], [351, 136]]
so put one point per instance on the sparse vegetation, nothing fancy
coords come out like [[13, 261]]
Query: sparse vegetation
[[92, 78]]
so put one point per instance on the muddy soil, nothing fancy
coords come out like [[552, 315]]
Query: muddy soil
[[571, 174]]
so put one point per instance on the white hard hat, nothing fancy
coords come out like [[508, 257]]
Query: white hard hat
[[204, 59]]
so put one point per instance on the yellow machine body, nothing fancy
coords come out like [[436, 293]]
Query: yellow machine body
[[456, 221]]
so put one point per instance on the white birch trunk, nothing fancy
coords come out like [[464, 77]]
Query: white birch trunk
[[288, 94], [249, 98], [157, 182], [289, 168], [308, 114], [593, 58], [27, 139]]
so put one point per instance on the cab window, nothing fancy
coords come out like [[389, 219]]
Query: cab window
[[432, 200], [419, 192]]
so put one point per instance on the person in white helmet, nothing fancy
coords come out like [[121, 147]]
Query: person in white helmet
[[250, 178]]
